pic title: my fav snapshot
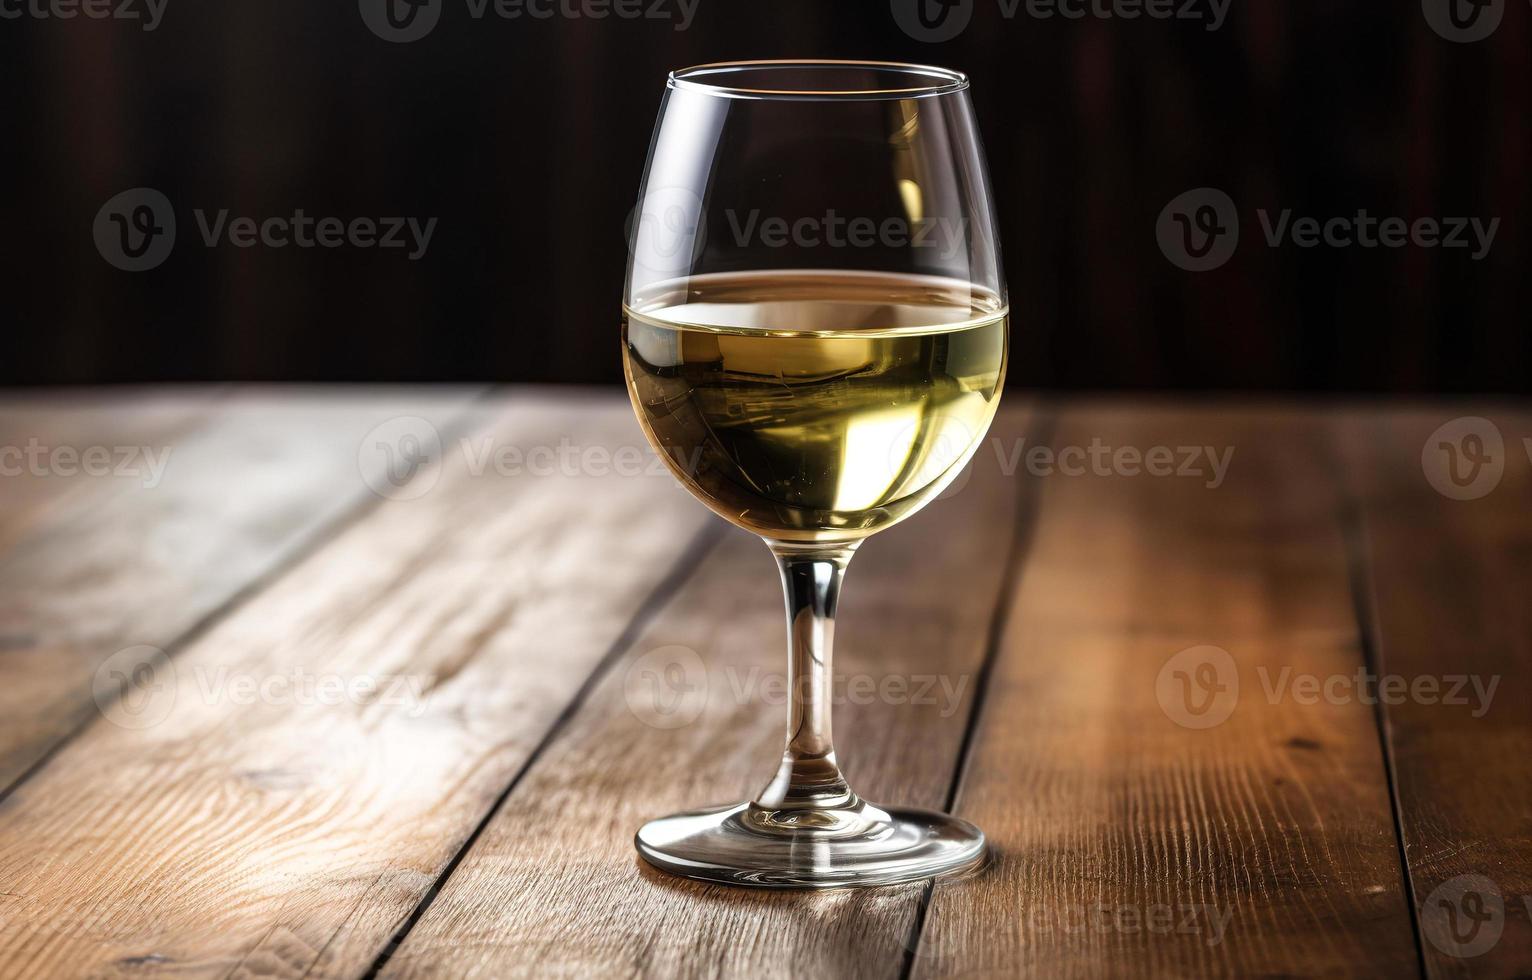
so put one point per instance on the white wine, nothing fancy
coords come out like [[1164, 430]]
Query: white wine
[[815, 406]]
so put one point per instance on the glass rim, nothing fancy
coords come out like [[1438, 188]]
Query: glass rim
[[934, 80]]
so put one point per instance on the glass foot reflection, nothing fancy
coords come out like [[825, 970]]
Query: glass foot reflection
[[748, 845]]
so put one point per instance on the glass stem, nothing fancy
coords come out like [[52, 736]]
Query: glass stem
[[808, 781]]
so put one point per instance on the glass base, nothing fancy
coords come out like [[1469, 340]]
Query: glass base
[[749, 845]]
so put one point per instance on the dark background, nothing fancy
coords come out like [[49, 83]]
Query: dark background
[[526, 138]]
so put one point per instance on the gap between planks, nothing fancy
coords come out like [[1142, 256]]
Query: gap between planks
[[1353, 522], [422, 563], [1111, 805], [462, 420], [1040, 424], [1028, 504], [917, 604], [706, 538]]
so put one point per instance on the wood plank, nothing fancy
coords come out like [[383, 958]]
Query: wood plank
[[35, 426], [1449, 580], [280, 830], [144, 561], [1139, 832], [554, 880]]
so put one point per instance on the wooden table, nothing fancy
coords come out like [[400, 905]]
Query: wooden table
[[296, 704]]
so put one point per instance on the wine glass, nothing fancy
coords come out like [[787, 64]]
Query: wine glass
[[814, 338]]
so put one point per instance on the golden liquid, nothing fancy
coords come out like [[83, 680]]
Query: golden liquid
[[815, 406]]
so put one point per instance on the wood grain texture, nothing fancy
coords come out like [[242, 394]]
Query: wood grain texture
[[1128, 843], [145, 558], [248, 824], [1449, 580], [554, 888], [34, 426]]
